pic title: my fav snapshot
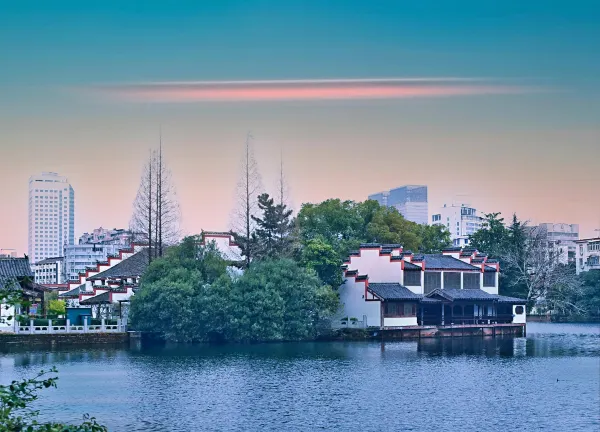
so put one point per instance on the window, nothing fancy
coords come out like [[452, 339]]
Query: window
[[519, 310], [396, 309], [433, 280], [412, 278], [471, 280], [489, 279], [451, 280]]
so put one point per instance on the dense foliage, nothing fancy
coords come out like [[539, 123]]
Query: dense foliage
[[190, 296]]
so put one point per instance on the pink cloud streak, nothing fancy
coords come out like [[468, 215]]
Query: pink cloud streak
[[304, 90]]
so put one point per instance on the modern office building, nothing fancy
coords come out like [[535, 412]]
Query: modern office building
[[51, 216], [587, 254], [461, 220], [409, 200]]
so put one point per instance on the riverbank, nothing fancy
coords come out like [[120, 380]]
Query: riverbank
[[63, 339]]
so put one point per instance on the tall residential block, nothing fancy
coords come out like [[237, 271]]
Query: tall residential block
[[409, 200], [461, 220], [51, 216]]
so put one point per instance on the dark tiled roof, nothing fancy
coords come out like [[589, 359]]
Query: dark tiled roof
[[99, 299], [452, 249], [391, 246], [354, 253], [15, 268], [411, 266], [489, 269], [429, 300], [133, 266], [444, 262], [513, 300], [385, 251], [73, 293], [491, 261], [418, 258], [50, 260], [392, 291], [370, 245], [463, 294], [362, 277], [396, 257]]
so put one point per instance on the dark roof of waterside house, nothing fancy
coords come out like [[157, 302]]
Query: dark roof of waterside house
[[489, 269], [99, 299], [410, 266], [445, 262], [392, 291], [453, 294], [72, 293], [133, 266]]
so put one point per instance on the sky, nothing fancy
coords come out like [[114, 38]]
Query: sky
[[496, 104]]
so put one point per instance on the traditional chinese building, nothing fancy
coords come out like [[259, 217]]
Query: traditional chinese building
[[387, 287]]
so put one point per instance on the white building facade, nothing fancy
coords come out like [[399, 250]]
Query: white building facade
[[387, 287], [587, 255], [410, 201], [561, 238], [460, 220], [51, 216], [81, 256], [49, 271], [107, 236]]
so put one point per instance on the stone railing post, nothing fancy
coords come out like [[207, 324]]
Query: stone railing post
[[31, 330], [102, 325], [68, 325], [119, 324], [85, 324], [49, 326]]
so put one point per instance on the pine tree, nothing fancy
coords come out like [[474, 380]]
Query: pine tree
[[273, 228]]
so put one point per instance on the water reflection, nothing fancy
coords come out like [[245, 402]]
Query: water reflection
[[551, 378]]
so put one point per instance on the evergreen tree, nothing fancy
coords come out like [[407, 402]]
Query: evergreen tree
[[272, 228]]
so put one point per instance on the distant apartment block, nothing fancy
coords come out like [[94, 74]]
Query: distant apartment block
[[587, 254], [461, 220], [106, 236], [51, 216], [8, 253], [92, 248], [409, 200], [562, 239], [49, 271]]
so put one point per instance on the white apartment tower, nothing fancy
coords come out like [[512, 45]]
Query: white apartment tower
[[461, 220], [51, 216]]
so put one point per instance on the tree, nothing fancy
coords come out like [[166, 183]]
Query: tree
[[156, 213], [273, 228], [434, 238], [279, 300], [248, 189], [319, 256], [389, 226], [56, 307], [492, 236]]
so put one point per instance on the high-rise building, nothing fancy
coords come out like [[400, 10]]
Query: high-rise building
[[51, 216], [409, 200], [460, 220], [587, 255]]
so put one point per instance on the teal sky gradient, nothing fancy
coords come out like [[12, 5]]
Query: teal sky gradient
[[534, 153]]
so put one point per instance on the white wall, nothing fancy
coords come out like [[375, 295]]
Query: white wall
[[4, 314], [379, 268], [353, 304], [400, 322], [519, 318]]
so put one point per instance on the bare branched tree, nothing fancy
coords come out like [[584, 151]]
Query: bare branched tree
[[249, 187], [539, 268], [156, 214]]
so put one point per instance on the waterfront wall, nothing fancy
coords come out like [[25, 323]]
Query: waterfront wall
[[24, 340]]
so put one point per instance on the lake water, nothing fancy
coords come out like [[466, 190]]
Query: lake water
[[547, 381]]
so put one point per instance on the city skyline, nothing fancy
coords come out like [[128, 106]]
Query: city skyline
[[352, 93]]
